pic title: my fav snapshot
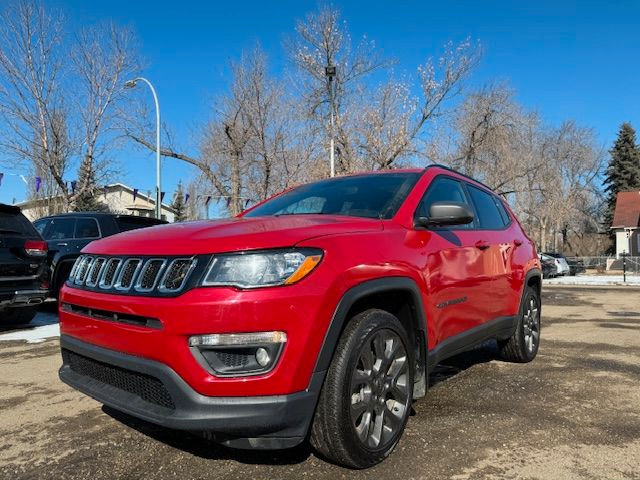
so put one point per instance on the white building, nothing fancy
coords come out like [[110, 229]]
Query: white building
[[118, 197]]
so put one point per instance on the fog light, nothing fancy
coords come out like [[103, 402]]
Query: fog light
[[238, 354], [262, 357]]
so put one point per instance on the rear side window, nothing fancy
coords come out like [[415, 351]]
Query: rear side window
[[16, 224], [87, 228], [60, 229], [442, 189], [489, 216]]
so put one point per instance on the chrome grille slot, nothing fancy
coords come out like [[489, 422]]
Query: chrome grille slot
[[149, 274], [74, 269], [94, 273], [83, 269], [129, 270], [177, 274], [109, 273]]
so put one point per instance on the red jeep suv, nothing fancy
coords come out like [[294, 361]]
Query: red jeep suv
[[317, 314]]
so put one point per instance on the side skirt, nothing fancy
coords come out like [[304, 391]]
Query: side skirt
[[500, 328]]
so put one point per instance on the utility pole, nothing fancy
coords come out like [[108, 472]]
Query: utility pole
[[330, 72]]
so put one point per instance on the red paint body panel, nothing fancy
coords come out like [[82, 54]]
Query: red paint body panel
[[476, 285]]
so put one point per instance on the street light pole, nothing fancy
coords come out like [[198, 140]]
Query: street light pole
[[330, 72], [131, 84]]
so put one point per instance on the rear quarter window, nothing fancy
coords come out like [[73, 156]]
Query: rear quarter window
[[16, 224], [487, 209]]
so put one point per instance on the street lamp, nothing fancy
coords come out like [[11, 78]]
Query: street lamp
[[330, 72], [132, 84]]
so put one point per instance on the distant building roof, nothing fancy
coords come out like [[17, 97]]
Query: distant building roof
[[627, 213]]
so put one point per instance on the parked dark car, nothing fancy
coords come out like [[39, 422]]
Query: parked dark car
[[68, 233], [23, 267], [576, 266], [549, 268]]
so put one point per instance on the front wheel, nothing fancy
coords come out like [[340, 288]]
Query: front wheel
[[366, 398], [522, 346]]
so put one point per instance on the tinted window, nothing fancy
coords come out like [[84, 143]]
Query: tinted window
[[503, 211], [371, 196], [15, 224], [41, 225], [60, 229], [489, 217], [87, 228], [442, 189]]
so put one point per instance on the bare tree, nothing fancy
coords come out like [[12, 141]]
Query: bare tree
[[32, 109], [249, 149], [374, 127], [52, 110]]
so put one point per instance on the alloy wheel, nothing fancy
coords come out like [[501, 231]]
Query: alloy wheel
[[379, 389], [531, 324]]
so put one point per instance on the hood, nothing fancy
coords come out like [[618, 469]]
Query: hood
[[229, 235]]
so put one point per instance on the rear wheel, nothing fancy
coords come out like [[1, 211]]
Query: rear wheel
[[18, 316], [523, 345], [366, 399]]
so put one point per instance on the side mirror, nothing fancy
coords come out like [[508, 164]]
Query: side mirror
[[446, 213]]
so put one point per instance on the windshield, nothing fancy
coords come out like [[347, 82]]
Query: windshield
[[370, 196]]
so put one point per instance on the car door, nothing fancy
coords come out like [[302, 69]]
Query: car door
[[454, 269], [497, 241]]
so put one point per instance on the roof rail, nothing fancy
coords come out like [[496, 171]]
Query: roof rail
[[446, 167]]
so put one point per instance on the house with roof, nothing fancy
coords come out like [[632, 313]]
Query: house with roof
[[626, 223], [120, 199]]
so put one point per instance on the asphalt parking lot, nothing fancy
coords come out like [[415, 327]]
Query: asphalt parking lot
[[573, 413]]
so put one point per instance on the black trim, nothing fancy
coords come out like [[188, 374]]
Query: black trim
[[356, 293], [111, 316], [500, 328], [379, 285], [276, 421]]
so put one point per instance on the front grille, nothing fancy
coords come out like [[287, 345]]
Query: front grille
[[133, 275], [147, 387]]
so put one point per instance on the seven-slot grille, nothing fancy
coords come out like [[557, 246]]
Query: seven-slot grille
[[132, 274]]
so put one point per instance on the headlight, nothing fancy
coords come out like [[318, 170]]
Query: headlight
[[262, 269]]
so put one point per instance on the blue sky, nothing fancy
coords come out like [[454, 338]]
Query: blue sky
[[572, 59]]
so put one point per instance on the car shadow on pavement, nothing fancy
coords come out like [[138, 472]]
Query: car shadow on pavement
[[483, 353], [200, 446], [47, 315]]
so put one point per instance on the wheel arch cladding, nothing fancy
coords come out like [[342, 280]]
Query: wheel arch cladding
[[533, 278], [399, 296]]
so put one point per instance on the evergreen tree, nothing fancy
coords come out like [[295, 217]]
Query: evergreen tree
[[88, 201], [179, 204], [623, 172]]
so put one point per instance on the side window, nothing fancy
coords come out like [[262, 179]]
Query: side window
[[503, 211], [60, 229], [41, 225], [87, 228], [443, 189], [489, 216]]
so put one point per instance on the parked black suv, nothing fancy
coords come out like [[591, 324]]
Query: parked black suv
[[23, 268], [68, 233]]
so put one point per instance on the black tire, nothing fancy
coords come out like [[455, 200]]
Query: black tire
[[384, 393], [18, 315], [522, 346]]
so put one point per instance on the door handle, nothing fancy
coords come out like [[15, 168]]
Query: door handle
[[517, 242], [482, 245], [62, 244]]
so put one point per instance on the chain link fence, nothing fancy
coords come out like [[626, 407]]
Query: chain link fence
[[606, 265]]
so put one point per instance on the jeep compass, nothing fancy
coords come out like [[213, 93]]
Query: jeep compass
[[316, 315]]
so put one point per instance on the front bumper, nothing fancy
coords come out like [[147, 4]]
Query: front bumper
[[124, 382], [22, 298]]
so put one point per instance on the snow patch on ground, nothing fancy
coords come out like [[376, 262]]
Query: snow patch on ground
[[593, 280], [43, 326]]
